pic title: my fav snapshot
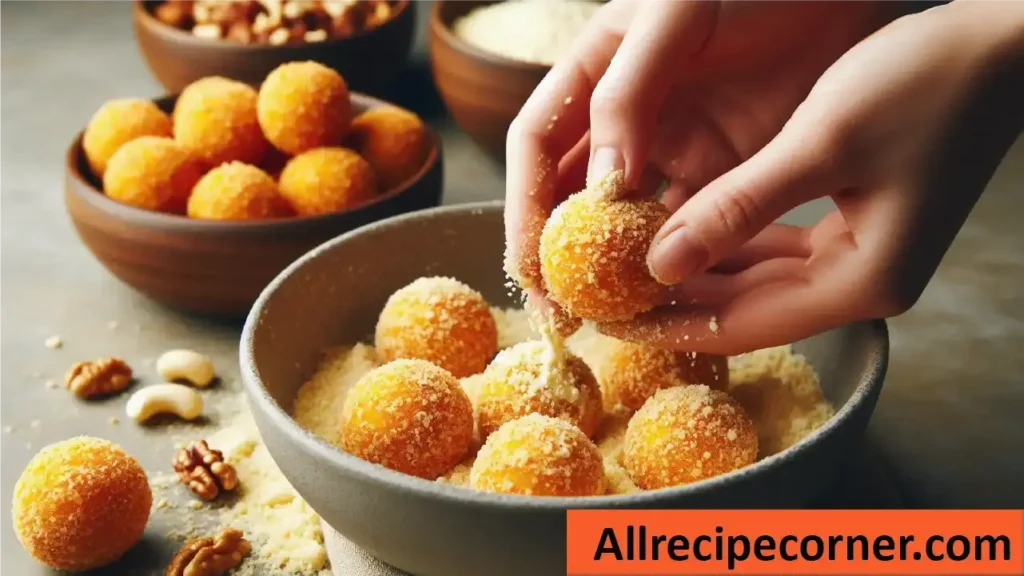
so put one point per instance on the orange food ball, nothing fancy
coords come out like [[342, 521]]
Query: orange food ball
[[409, 416], [81, 504], [631, 373], [216, 119], [686, 434], [236, 191], [393, 141], [593, 253], [152, 173], [440, 320], [538, 455], [304, 105], [117, 123], [526, 379], [327, 180]]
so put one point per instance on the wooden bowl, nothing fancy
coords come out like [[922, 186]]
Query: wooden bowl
[[370, 61], [333, 295], [483, 91], [219, 268]]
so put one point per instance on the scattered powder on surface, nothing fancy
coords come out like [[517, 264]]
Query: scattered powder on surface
[[536, 31], [285, 531], [778, 388]]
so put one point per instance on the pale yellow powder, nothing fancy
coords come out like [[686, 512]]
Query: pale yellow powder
[[777, 387], [284, 529]]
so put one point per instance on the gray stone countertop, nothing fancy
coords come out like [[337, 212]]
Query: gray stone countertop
[[949, 421]]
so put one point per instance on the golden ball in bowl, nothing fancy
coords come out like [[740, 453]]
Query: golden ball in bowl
[[304, 105], [117, 123], [440, 320], [410, 416], [687, 434], [525, 379], [152, 173], [538, 455], [630, 373], [215, 118], [327, 180]]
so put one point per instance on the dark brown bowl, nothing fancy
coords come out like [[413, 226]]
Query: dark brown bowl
[[370, 61], [219, 268], [483, 91]]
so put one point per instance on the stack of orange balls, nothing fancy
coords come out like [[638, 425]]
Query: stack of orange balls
[[232, 152]]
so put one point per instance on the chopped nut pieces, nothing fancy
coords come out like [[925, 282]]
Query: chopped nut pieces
[[276, 22], [204, 471], [210, 556], [98, 378]]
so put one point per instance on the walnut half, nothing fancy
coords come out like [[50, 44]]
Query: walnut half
[[210, 556], [204, 470], [98, 378]]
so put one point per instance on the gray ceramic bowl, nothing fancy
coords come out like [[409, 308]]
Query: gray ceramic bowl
[[333, 295]]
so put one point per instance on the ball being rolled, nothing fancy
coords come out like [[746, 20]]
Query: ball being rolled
[[686, 434], [409, 416], [81, 504], [593, 253]]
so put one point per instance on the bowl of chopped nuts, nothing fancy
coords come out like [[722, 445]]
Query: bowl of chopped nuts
[[366, 41], [487, 58]]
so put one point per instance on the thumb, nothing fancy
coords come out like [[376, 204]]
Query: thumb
[[625, 102], [789, 171]]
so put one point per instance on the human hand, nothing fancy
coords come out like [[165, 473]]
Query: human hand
[[676, 91], [903, 132]]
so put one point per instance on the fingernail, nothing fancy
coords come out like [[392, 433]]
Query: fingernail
[[676, 256], [603, 161]]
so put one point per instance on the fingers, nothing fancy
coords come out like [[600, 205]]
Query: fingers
[[774, 302], [737, 206], [625, 103], [552, 121], [775, 241]]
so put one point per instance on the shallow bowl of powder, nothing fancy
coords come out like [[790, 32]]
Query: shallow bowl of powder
[[487, 57], [331, 297]]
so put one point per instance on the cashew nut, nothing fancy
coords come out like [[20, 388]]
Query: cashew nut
[[186, 365], [164, 398]]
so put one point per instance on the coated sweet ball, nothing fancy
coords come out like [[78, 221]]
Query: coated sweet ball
[[393, 141], [686, 434], [530, 378], [409, 416], [538, 455], [81, 504], [631, 373], [216, 119], [440, 320], [117, 123], [153, 174], [304, 105], [327, 180], [236, 191], [593, 253]]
